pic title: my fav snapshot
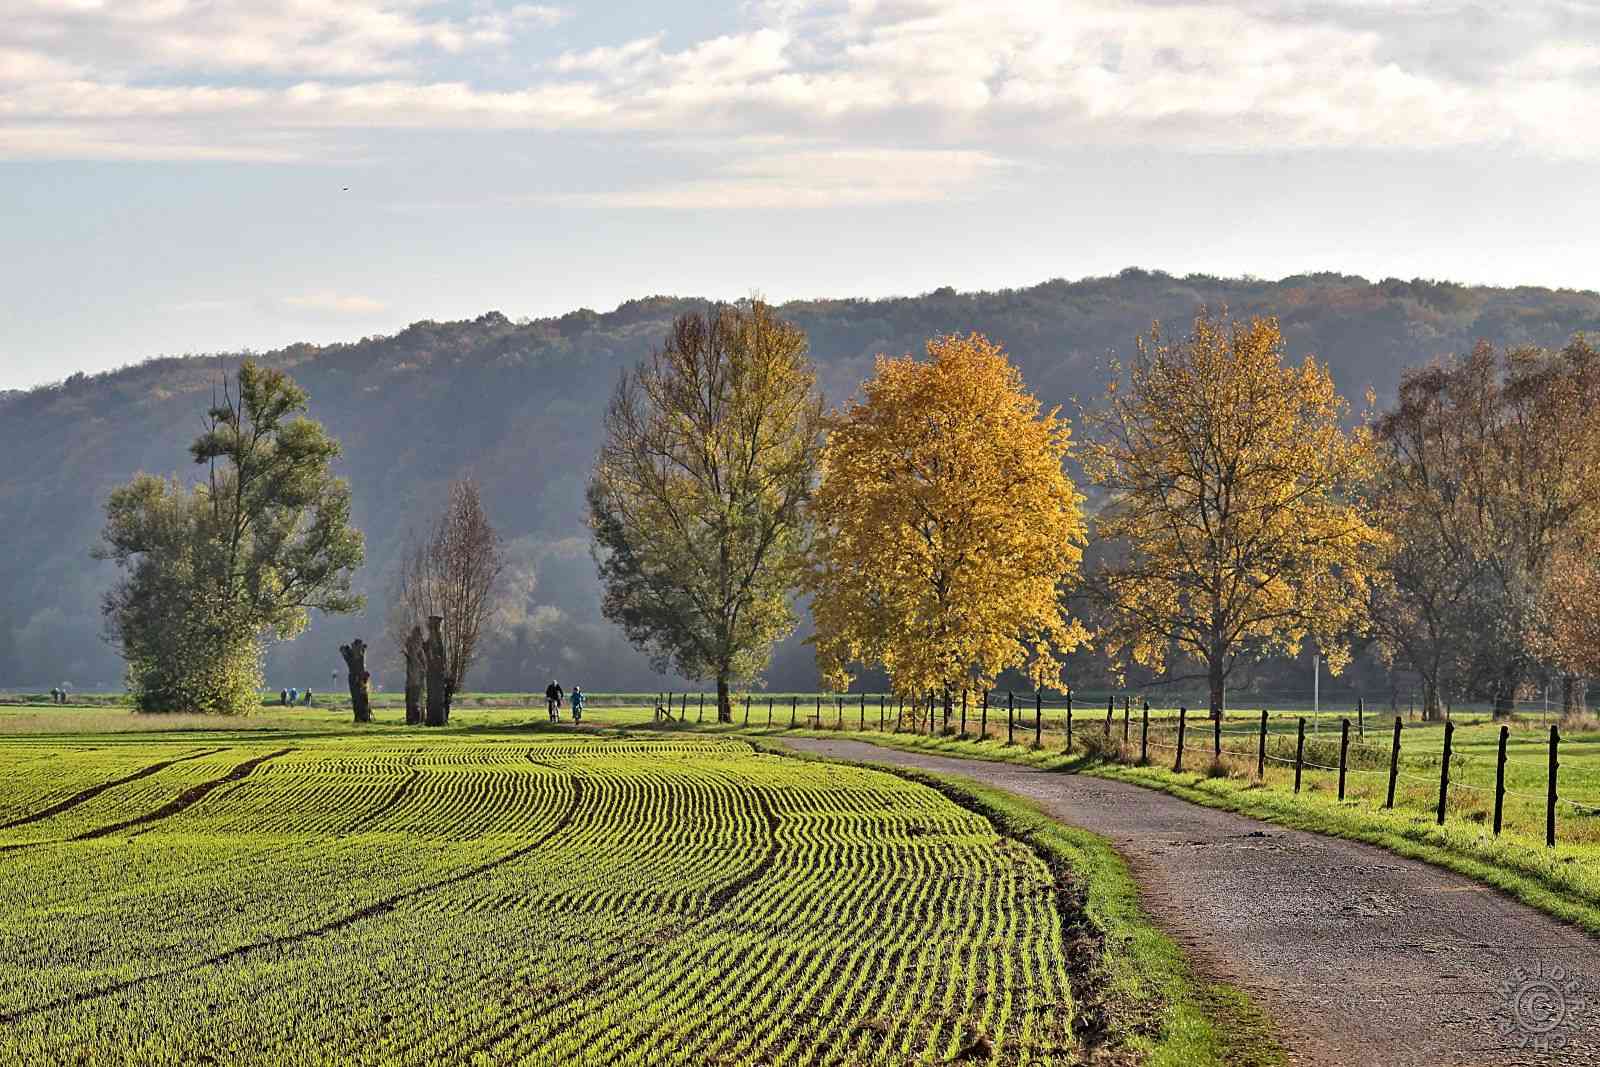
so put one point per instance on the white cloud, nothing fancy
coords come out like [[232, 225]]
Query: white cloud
[[1022, 79], [331, 303], [820, 178]]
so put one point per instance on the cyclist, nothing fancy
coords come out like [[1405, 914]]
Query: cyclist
[[553, 695]]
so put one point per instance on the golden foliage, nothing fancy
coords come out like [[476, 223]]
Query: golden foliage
[[1227, 474], [946, 527]]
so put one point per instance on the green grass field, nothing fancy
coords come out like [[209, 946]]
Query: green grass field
[[290, 889]]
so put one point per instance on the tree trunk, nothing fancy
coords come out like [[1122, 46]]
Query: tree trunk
[[1219, 688], [355, 660], [724, 702], [416, 655], [1505, 693], [1574, 696], [437, 698], [1431, 709]]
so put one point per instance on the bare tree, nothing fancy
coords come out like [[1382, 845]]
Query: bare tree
[[452, 574]]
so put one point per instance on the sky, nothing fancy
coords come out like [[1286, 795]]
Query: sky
[[185, 176]]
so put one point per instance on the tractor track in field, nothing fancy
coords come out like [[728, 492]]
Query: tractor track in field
[[184, 800], [86, 795], [380, 907], [1360, 956]]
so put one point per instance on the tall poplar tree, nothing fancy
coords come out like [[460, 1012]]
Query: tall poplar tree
[[696, 497]]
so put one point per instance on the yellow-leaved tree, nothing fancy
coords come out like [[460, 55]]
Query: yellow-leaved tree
[[1230, 525], [946, 529]]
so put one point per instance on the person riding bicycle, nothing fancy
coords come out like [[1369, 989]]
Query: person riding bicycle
[[577, 704], [553, 695]]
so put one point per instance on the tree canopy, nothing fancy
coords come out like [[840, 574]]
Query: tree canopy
[[212, 571], [695, 501], [946, 528], [1229, 481]]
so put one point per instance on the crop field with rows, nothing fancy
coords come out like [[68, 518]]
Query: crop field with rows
[[393, 899]]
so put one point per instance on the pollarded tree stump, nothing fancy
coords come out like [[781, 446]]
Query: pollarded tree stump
[[355, 661], [438, 683], [416, 655]]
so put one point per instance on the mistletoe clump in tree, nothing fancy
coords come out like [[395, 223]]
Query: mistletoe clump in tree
[[213, 571]]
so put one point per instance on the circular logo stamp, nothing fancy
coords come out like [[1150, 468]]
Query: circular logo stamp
[[1542, 1006]]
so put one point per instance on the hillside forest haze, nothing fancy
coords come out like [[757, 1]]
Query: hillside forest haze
[[518, 406]]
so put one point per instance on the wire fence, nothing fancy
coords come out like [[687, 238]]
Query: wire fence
[[1458, 783]]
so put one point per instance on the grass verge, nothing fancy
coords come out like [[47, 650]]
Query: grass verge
[[1139, 996]]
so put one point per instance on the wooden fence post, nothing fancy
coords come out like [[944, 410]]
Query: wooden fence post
[[1444, 768], [862, 726], [819, 711], [1144, 734], [1183, 723], [1069, 718], [1394, 764], [983, 722], [1550, 793], [1500, 779], [899, 711], [1038, 718], [794, 710], [1125, 714], [838, 707], [1111, 707], [963, 713], [702, 716], [1011, 717], [881, 699], [747, 709], [1344, 752], [1300, 754], [1216, 737], [1361, 718], [1261, 750]]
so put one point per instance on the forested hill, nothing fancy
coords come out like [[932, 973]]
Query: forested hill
[[519, 405]]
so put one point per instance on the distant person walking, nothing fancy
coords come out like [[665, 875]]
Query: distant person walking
[[307, 699], [283, 696], [553, 695], [577, 704]]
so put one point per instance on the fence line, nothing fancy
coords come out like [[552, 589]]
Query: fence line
[[932, 715]]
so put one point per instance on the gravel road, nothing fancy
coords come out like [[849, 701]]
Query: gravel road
[[1359, 956]]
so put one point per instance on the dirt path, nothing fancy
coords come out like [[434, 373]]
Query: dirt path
[[1361, 957]]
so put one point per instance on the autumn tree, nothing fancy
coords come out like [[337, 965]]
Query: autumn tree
[[1567, 634], [453, 572], [1227, 476], [1426, 602], [213, 571], [1491, 463], [946, 529], [696, 497]]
